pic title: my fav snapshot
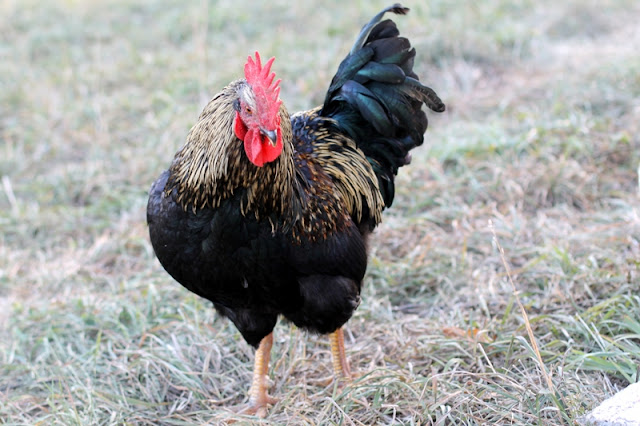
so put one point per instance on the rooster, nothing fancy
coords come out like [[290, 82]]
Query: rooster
[[268, 215]]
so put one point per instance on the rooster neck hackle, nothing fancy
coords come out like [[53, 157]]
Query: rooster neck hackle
[[212, 165], [350, 174]]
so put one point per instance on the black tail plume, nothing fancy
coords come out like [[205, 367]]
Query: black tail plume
[[376, 98]]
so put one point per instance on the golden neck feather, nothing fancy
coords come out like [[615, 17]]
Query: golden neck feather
[[212, 165]]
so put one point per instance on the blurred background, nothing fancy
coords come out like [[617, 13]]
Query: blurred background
[[540, 140]]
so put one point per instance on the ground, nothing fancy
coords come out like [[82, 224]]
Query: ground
[[503, 283]]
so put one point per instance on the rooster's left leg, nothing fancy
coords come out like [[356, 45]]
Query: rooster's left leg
[[258, 396], [340, 364], [341, 371]]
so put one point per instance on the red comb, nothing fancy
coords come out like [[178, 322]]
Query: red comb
[[261, 80]]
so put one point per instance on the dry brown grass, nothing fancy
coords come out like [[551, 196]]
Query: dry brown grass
[[540, 138]]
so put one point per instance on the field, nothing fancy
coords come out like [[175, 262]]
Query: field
[[503, 285]]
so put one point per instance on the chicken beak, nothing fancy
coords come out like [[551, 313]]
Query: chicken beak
[[271, 134]]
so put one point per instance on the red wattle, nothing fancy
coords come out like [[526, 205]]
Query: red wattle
[[259, 149], [269, 151], [253, 147], [239, 127]]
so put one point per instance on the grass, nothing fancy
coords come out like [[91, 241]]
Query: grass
[[540, 139]]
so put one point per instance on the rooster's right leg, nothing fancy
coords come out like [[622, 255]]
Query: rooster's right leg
[[258, 396]]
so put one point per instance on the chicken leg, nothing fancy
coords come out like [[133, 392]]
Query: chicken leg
[[258, 396], [340, 364]]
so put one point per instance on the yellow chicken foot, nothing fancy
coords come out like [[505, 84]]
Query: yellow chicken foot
[[339, 358], [258, 396]]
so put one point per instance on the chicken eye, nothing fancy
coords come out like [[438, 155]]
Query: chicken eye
[[248, 110]]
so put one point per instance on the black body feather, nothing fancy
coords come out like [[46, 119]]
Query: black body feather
[[289, 238], [251, 273]]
